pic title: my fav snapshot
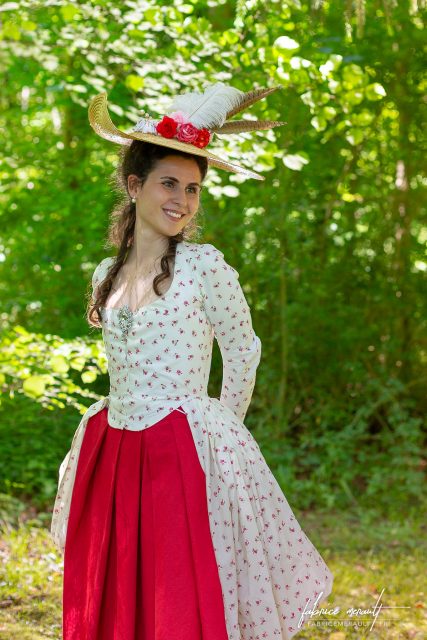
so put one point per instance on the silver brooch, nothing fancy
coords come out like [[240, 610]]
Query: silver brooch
[[125, 317]]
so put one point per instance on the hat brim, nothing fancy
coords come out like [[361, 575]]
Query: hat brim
[[101, 123]]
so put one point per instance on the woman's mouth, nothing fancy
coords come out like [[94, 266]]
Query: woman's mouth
[[173, 215]]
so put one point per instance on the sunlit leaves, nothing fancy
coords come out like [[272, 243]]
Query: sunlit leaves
[[229, 38], [89, 376], [318, 123], [28, 25], [331, 64], [186, 8], [375, 91], [10, 30], [355, 136], [286, 43], [34, 386], [59, 364], [134, 82], [231, 192], [152, 15], [363, 118], [69, 11], [353, 76], [295, 161], [42, 367]]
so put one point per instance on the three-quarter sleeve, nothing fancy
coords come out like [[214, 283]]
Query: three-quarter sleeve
[[229, 315]]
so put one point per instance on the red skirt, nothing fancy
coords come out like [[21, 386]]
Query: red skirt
[[139, 562]]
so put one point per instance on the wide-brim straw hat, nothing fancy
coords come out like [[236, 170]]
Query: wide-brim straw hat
[[191, 116]]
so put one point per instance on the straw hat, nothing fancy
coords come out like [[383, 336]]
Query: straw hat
[[190, 122]]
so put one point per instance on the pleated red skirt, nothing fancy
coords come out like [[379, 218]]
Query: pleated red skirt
[[139, 562]]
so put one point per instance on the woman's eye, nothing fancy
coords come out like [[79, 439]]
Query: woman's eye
[[168, 183]]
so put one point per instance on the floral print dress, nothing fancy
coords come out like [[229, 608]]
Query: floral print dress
[[159, 359]]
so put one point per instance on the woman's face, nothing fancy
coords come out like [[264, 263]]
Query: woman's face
[[173, 186]]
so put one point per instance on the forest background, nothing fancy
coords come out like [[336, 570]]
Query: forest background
[[330, 248]]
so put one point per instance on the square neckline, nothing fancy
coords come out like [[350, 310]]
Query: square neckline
[[176, 271]]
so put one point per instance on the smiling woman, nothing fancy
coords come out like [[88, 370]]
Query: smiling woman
[[177, 197], [155, 184], [171, 522]]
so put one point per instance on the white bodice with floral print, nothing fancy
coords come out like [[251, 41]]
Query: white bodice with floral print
[[164, 358]]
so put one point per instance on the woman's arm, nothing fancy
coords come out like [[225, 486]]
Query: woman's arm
[[229, 314]]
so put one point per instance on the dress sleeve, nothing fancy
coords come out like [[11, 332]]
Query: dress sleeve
[[229, 314], [100, 273]]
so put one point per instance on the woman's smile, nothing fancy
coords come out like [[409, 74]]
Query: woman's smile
[[173, 215]]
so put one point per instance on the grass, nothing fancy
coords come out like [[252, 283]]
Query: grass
[[366, 555]]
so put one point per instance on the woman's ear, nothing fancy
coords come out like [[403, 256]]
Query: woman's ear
[[133, 182]]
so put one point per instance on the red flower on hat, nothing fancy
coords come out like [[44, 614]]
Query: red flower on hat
[[167, 127], [203, 138], [187, 133], [183, 131]]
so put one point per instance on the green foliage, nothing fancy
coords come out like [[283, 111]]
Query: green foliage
[[33, 443], [54, 369], [331, 248]]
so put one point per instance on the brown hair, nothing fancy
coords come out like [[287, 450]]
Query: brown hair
[[140, 158]]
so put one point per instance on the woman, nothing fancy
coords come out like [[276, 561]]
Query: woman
[[172, 525]]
